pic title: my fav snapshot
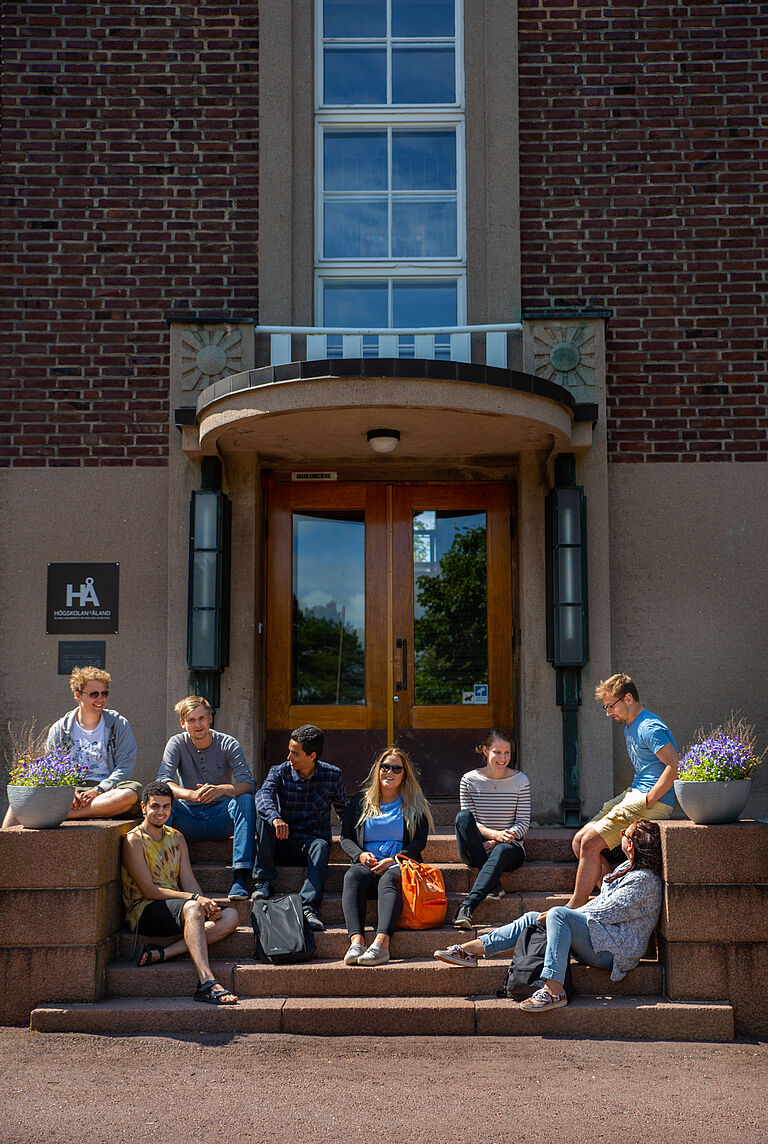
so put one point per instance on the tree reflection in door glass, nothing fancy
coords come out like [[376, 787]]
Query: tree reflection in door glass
[[328, 608], [450, 614]]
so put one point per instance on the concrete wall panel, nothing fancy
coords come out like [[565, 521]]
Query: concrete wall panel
[[100, 515], [688, 601]]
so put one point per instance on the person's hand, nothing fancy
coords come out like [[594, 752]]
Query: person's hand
[[85, 797], [383, 865], [367, 859], [210, 908], [507, 835], [542, 916], [206, 792], [281, 827]]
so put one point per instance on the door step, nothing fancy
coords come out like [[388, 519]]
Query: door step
[[631, 1018]]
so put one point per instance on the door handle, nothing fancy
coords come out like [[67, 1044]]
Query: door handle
[[402, 684]]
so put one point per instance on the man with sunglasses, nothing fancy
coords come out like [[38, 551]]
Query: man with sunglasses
[[103, 740], [293, 824], [653, 753]]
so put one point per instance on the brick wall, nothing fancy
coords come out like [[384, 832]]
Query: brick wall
[[130, 140], [644, 189]]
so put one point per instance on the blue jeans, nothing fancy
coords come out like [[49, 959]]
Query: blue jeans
[[212, 821], [503, 857], [297, 849], [567, 933]]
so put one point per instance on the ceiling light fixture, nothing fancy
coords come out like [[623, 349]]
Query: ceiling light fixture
[[383, 440]]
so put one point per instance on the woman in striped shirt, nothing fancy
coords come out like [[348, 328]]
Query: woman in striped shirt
[[494, 819]]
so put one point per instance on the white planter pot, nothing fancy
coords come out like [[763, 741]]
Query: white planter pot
[[711, 803], [40, 807]]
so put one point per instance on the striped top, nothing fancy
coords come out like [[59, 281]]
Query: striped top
[[498, 804]]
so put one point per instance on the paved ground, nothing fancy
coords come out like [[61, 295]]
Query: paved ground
[[76, 1089]]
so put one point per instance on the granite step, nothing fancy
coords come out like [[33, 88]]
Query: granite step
[[632, 1018], [404, 976], [491, 912], [215, 878], [542, 844]]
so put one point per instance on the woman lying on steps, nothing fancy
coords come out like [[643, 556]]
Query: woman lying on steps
[[611, 931]]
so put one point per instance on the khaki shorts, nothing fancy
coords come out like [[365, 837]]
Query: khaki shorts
[[618, 813], [127, 784]]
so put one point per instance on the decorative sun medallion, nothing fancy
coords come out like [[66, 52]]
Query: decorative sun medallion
[[565, 354], [209, 353]]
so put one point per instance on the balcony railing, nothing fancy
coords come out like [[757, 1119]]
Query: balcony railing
[[442, 343]]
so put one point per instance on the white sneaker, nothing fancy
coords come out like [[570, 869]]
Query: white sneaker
[[353, 953], [374, 955]]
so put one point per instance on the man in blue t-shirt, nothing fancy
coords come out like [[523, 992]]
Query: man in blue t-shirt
[[654, 756]]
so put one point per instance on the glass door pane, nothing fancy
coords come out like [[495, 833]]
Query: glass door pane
[[328, 608], [450, 614]]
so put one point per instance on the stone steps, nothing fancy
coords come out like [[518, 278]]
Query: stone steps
[[538, 877], [412, 995], [414, 976], [551, 844], [635, 1018]]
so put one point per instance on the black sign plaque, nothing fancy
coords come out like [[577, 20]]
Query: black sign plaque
[[81, 653], [82, 598]]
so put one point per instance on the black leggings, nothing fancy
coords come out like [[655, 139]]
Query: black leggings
[[504, 857], [360, 885]]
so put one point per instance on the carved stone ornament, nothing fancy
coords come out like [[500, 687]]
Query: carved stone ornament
[[565, 354], [209, 353]]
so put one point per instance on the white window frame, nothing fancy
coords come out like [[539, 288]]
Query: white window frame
[[416, 123], [457, 40], [399, 272], [384, 117]]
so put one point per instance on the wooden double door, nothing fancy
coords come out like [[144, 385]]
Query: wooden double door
[[390, 620]]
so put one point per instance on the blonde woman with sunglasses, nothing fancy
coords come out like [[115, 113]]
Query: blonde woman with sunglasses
[[389, 816]]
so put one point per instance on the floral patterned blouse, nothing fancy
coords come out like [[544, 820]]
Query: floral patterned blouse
[[164, 860]]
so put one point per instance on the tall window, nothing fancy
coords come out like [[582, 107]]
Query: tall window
[[390, 231]]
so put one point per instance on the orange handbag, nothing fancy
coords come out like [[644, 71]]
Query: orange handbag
[[424, 900]]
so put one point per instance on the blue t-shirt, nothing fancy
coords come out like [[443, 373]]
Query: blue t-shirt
[[383, 833], [644, 736]]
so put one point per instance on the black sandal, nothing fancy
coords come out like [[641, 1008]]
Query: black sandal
[[211, 993], [147, 951]]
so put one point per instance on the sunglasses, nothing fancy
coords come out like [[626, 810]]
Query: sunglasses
[[628, 837], [391, 768], [96, 694]]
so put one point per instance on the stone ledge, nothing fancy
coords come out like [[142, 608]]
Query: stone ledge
[[76, 854], [33, 975], [736, 853], [722, 971], [61, 917], [715, 913]]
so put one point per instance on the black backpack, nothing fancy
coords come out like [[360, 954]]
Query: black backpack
[[281, 931], [524, 975]]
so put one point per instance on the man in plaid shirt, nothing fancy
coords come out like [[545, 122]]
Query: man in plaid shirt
[[293, 825]]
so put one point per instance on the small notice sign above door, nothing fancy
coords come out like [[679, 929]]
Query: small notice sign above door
[[314, 476], [82, 598]]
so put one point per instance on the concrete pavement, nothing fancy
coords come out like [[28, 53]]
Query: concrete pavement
[[78, 1089]]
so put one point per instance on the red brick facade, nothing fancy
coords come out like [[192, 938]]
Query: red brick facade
[[644, 189], [131, 166]]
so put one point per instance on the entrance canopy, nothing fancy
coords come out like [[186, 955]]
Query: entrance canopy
[[443, 410]]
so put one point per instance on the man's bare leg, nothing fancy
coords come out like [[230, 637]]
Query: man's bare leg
[[110, 804], [590, 869], [199, 934]]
